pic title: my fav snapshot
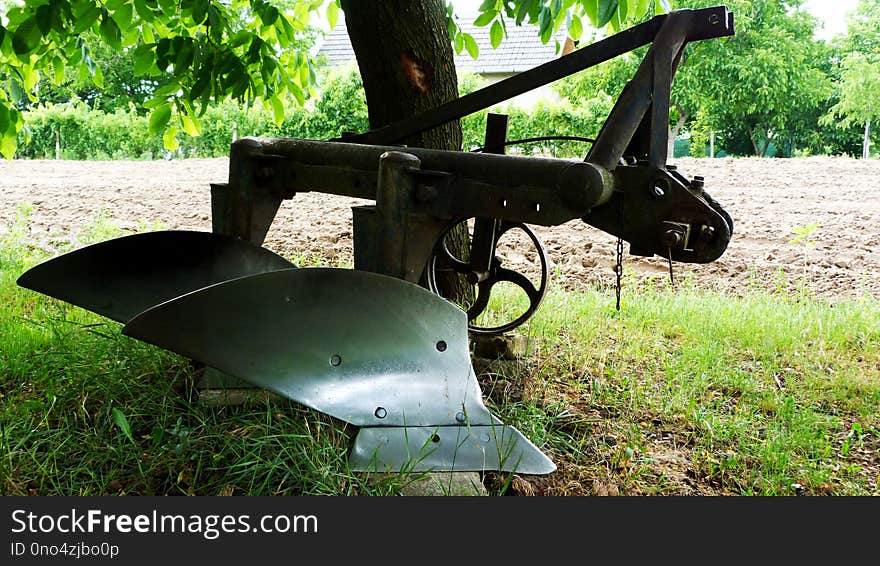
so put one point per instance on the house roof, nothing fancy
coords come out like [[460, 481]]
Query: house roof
[[519, 51]]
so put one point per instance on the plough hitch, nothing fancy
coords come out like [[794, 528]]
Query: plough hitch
[[376, 346]]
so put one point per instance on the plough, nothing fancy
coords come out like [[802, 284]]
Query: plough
[[377, 346]]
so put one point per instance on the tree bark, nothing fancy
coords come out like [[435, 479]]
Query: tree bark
[[754, 142], [406, 63], [866, 143]]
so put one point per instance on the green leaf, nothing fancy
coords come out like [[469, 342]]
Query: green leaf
[[8, 145], [202, 84], [110, 32], [471, 45], [545, 19], [169, 89], [144, 58], [269, 15], [332, 13], [459, 42], [190, 125], [485, 18], [277, 109], [200, 11], [169, 139], [297, 93], [16, 91], [496, 34], [144, 11], [26, 37], [4, 118], [122, 422], [10, 123], [607, 10], [59, 68], [122, 16], [159, 118], [98, 77], [87, 19], [184, 58], [591, 8], [148, 35], [43, 17], [522, 10], [575, 28]]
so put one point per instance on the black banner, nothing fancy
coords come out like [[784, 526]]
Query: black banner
[[379, 530]]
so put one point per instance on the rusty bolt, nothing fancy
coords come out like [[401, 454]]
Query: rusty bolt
[[706, 233], [673, 238]]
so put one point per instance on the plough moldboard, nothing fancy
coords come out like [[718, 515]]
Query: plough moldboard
[[376, 346]]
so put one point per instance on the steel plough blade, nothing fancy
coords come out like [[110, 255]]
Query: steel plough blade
[[365, 348], [122, 277], [448, 448], [375, 351]]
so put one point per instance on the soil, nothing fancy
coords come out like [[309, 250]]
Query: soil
[[769, 200]]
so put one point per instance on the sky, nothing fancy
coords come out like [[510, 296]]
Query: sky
[[831, 13]]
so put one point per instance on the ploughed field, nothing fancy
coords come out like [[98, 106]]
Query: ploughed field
[[832, 203]]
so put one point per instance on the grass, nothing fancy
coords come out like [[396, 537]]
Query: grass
[[698, 392], [680, 392]]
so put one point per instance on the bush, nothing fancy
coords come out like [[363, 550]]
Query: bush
[[544, 119], [85, 133]]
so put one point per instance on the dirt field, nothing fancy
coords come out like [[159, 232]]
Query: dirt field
[[769, 200]]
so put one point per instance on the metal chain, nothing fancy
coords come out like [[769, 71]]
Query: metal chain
[[618, 267]]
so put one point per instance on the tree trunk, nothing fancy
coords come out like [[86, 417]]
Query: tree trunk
[[754, 142], [673, 132], [866, 143], [406, 63]]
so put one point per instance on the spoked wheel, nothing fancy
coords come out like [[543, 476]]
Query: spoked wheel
[[483, 269]]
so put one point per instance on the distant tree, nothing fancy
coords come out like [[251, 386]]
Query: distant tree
[[121, 87], [863, 30], [758, 80], [758, 85], [859, 89]]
